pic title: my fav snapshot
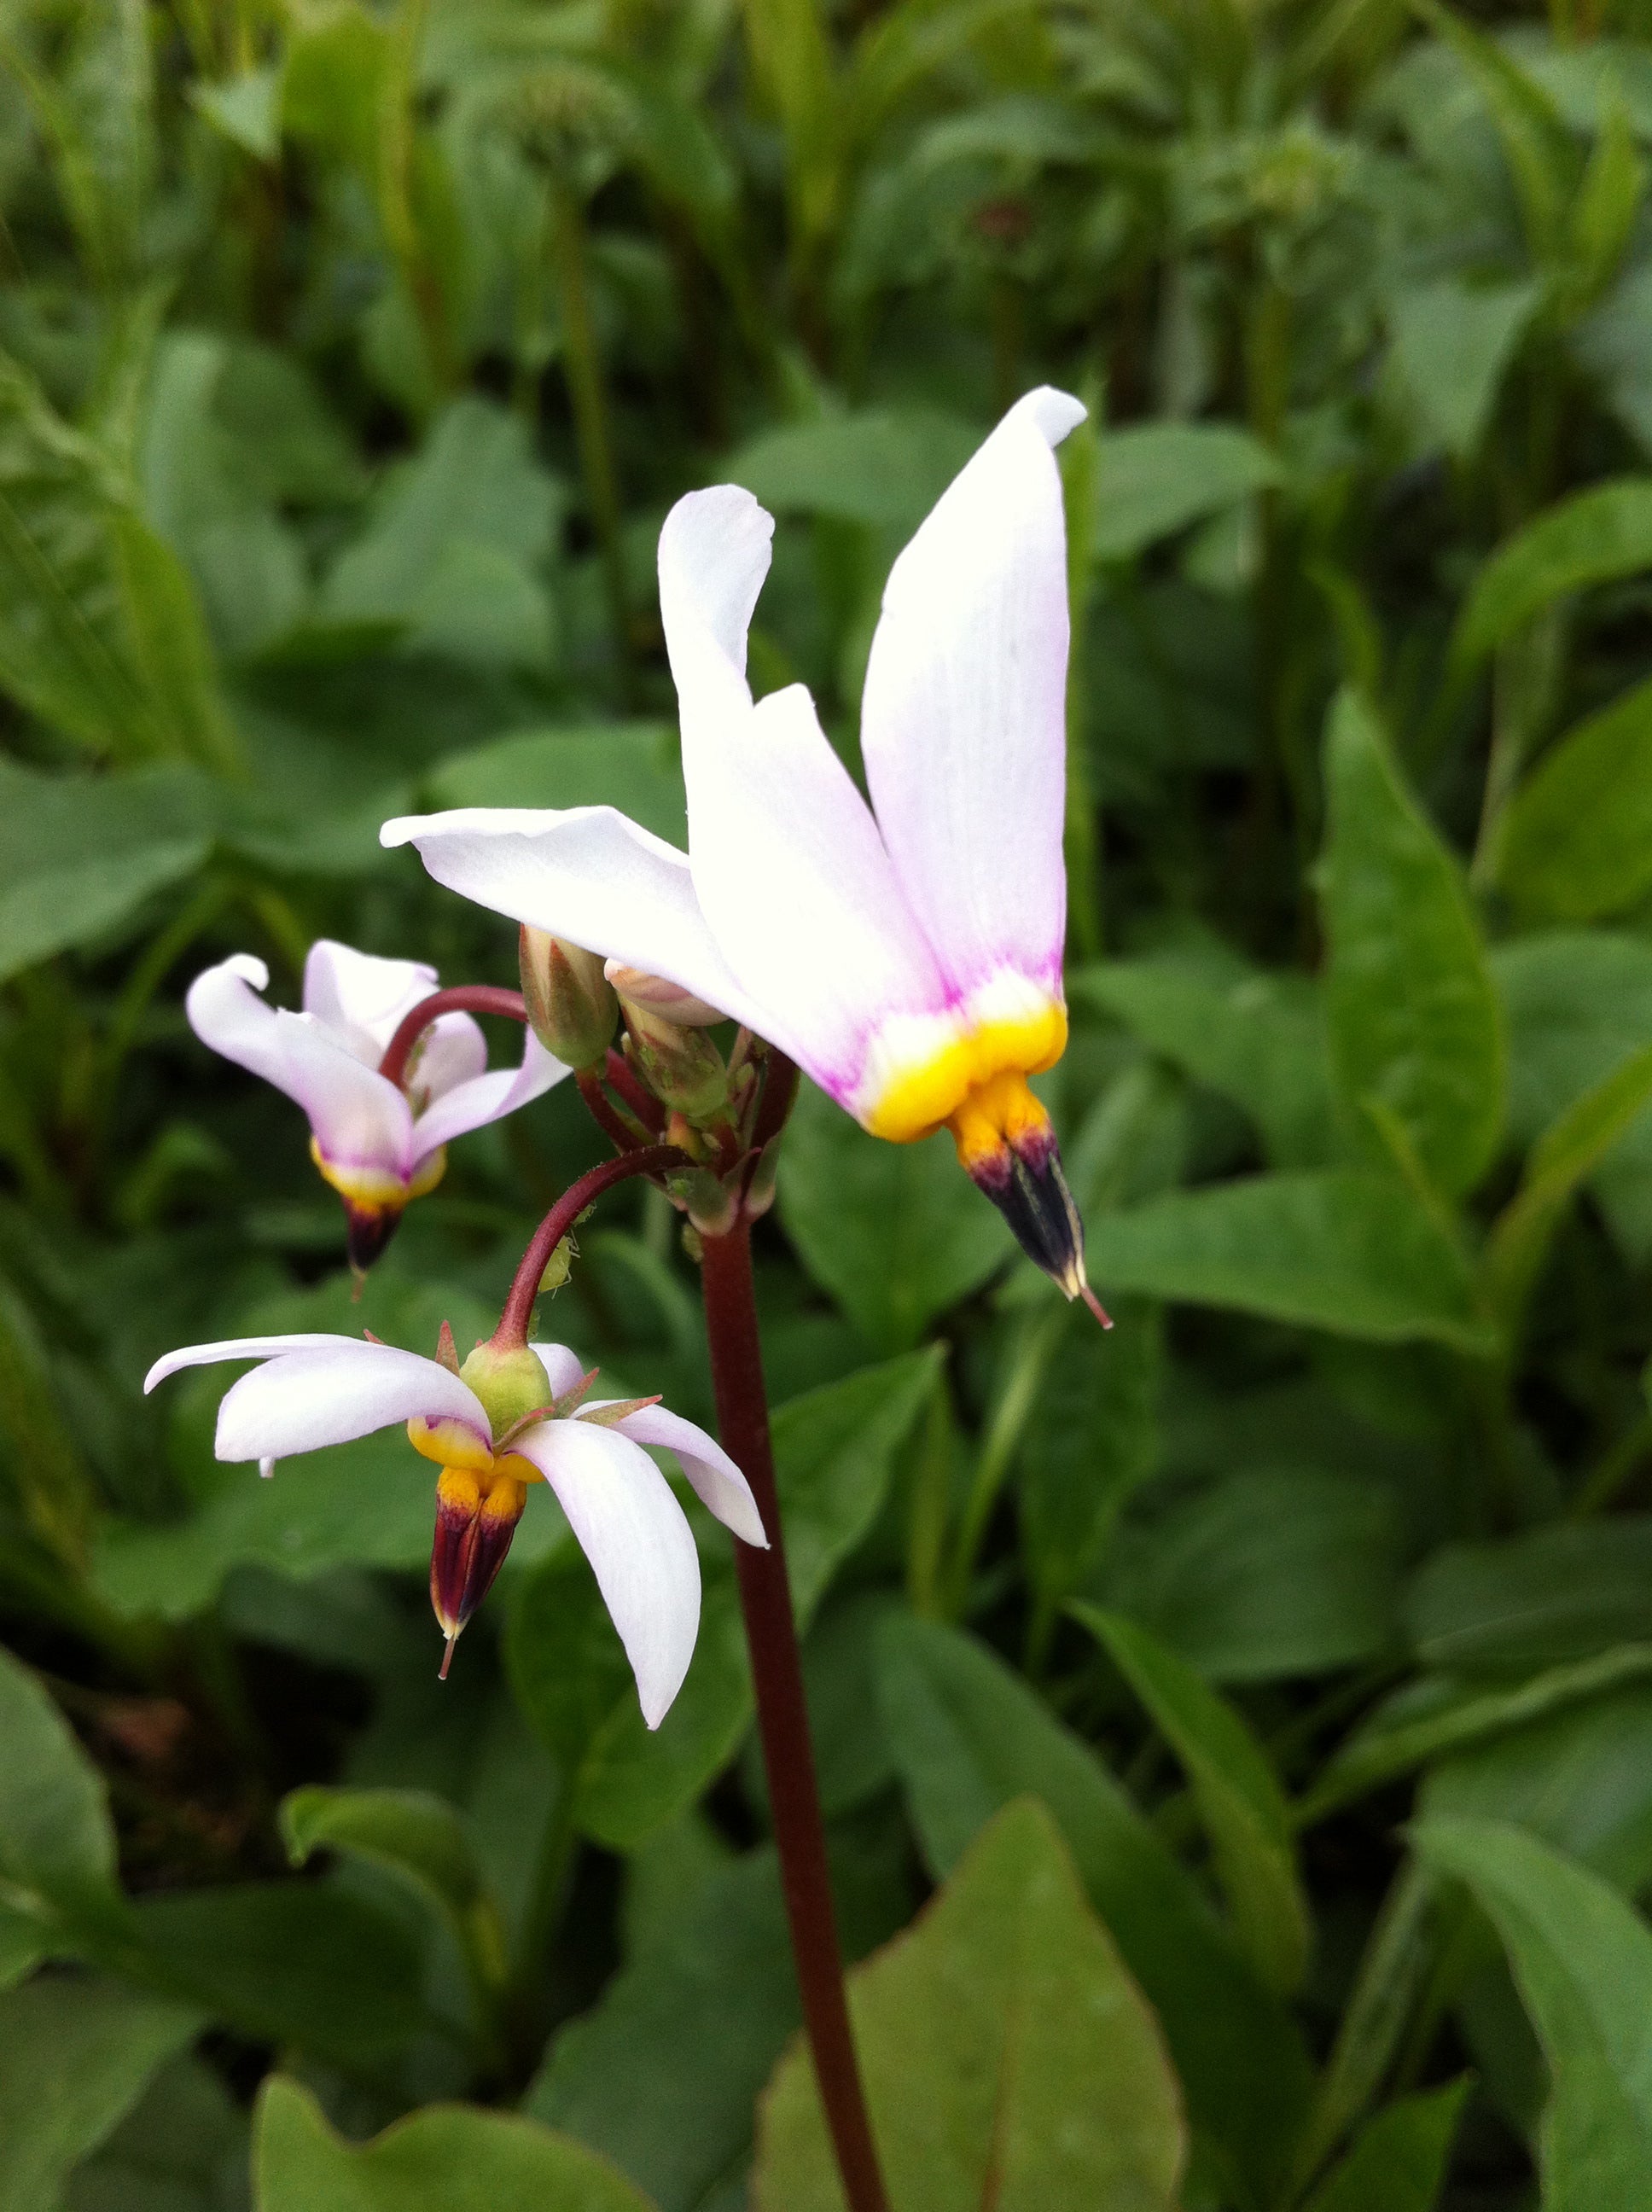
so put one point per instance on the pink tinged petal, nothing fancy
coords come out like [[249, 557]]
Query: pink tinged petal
[[226, 1012], [637, 1539], [963, 722], [789, 869], [361, 994], [301, 1400], [451, 1051], [716, 1480], [360, 1120], [240, 1347], [486, 1098], [586, 874], [563, 1369]]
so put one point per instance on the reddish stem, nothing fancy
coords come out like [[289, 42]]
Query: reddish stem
[[653, 1160], [619, 1133], [783, 1716], [622, 1077], [462, 999], [780, 1094]]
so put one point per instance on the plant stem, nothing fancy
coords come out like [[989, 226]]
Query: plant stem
[[654, 1159], [783, 1716], [589, 403], [462, 999]]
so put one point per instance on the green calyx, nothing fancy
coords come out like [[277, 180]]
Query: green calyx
[[511, 1384]]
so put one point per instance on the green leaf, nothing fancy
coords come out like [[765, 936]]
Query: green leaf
[[1156, 477], [885, 467], [1008, 2058], [1258, 1038], [290, 1962], [1535, 142], [78, 2053], [1399, 2162], [246, 109], [1575, 841], [183, 2148], [663, 2075], [897, 1233], [57, 1841], [1517, 1604], [169, 646], [1339, 1250], [1582, 1961], [1414, 1018], [630, 765], [968, 1736], [1452, 343], [1235, 1790], [1602, 217], [1597, 536], [1266, 1575], [457, 2156], [420, 1838]]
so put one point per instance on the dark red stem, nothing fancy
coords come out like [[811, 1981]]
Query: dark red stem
[[462, 999], [622, 1077], [783, 1716], [518, 1316], [603, 1112], [780, 1094]]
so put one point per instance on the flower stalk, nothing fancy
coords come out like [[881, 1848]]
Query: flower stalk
[[462, 999], [517, 1318]]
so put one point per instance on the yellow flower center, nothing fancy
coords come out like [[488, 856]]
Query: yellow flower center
[[973, 1080], [373, 1190]]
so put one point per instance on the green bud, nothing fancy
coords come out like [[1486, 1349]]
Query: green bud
[[510, 1384], [571, 1003], [682, 1067]]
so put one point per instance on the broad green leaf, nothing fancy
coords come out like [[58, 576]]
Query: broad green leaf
[[57, 1841], [663, 2075], [1580, 1778], [1091, 1439], [419, 1837], [1536, 145], [1156, 477], [1414, 1018], [897, 1233], [169, 646], [1434, 1718], [1602, 217], [93, 91], [1452, 343], [630, 765], [1266, 1575], [1340, 1251], [1237, 1791], [77, 2054], [1258, 1038], [182, 2147], [1597, 536], [302, 1963], [1582, 1961], [1575, 842], [1009, 2059], [967, 1736], [885, 467], [457, 2156], [1516, 1603], [1398, 2163], [246, 109]]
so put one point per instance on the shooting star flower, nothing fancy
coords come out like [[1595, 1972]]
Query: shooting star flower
[[907, 954], [377, 1142], [508, 1420]]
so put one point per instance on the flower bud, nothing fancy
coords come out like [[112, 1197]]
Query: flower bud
[[570, 1002], [511, 1385], [681, 1067], [654, 995]]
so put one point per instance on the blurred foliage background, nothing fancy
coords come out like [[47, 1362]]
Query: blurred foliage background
[[352, 355]]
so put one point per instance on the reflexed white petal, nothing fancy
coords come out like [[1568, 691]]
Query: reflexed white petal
[[238, 1347], [486, 1098], [789, 866], [564, 1368], [300, 1401], [359, 1118], [361, 993], [716, 1480], [634, 1532], [963, 727], [226, 1012], [588, 874], [451, 1051]]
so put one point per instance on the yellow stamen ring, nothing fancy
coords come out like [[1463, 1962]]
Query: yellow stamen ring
[[975, 1079], [373, 1190]]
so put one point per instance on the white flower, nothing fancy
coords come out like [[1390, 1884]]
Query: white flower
[[312, 1390], [378, 1143], [907, 954]]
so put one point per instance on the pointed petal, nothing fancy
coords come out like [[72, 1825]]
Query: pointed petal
[[789, 866], [361, 1121], [564, 1368], [963, 725], [238, 1347], [360, 993], [301, 1400], [634, 1532], [587, 874], [486, 1098], [226, 1012], [716, 1480]]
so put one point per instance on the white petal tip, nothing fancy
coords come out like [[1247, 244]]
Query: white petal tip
[[1055, 412], [402, 832], [267, 1468]]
